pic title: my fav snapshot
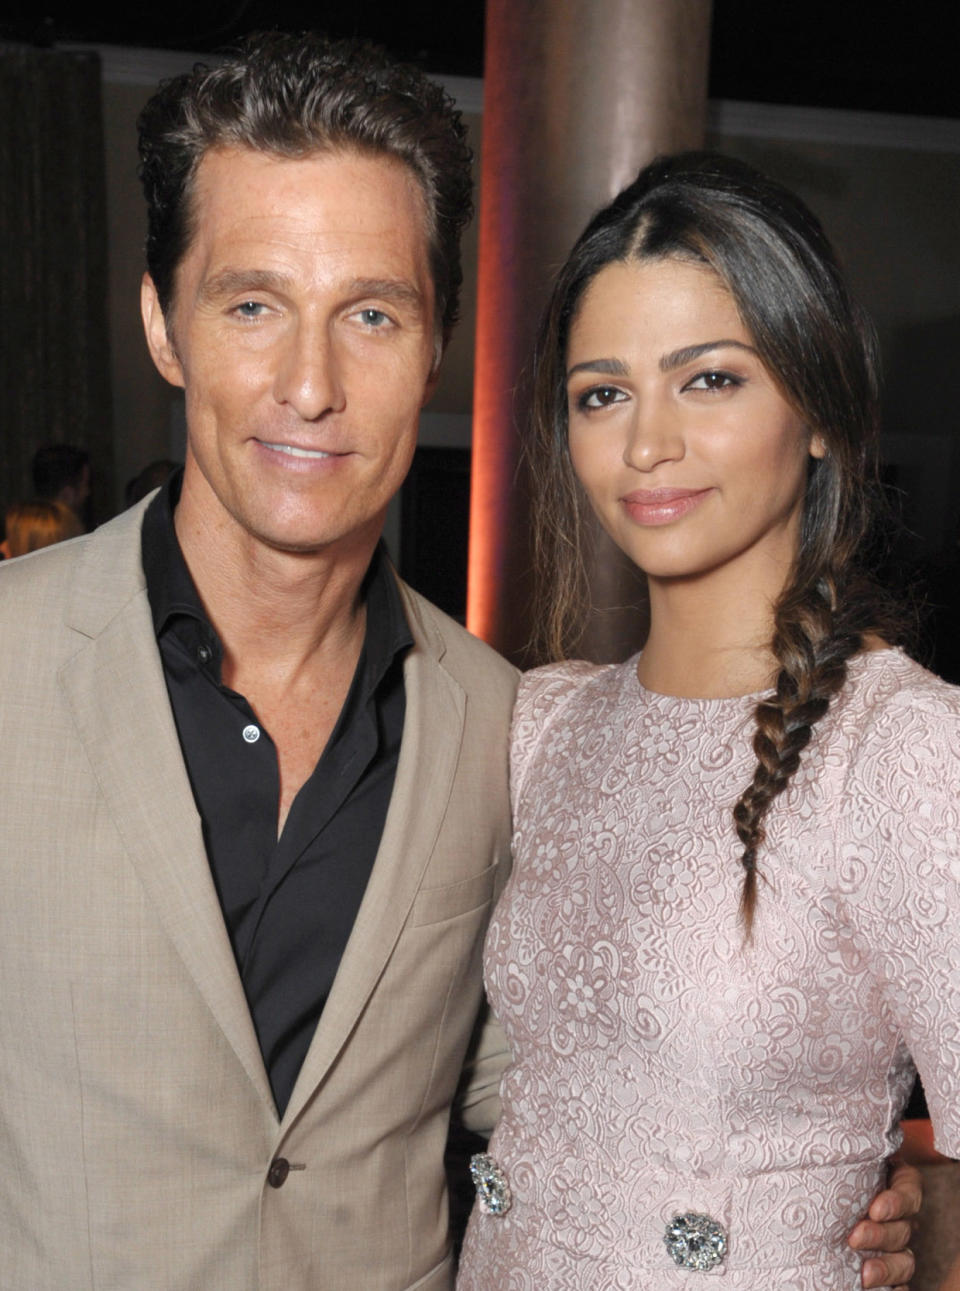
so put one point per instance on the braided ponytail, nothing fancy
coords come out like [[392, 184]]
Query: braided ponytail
[[812, 645]]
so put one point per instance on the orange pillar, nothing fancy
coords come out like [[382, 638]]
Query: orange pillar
[[577, 97]]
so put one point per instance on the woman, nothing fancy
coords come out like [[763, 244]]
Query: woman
[[736, 894]]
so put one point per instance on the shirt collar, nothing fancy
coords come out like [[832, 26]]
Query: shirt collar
[[172, 594]]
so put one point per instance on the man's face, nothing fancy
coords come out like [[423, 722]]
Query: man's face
[[302, 330]]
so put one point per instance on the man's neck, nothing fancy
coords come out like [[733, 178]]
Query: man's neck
[[275, 612]]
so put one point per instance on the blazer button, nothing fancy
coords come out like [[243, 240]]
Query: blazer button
[[277, 1174]]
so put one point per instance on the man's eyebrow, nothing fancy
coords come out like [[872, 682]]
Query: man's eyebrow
[[678, 359], [396, 289], [230, 281], [604, 367]]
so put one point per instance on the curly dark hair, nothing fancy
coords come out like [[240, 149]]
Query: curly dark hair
[[293, 95], [772, 255]]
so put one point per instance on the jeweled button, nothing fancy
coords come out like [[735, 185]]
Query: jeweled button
[[277, 1174], [493, 1191], [695, 1242]]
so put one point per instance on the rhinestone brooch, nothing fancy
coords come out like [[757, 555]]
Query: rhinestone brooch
[[493, 1191], [695, 1242]]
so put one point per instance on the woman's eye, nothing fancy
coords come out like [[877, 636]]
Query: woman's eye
[[600, 397], [712, 381]]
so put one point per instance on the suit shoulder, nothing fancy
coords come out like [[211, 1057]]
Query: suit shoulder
[[29, 582], [81, 584], [475, 665]]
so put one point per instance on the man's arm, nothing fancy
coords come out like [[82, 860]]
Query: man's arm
[[887, 1228], [953, 1278], [478, 1098]]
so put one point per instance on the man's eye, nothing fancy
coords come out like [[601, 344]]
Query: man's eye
[[373, 317], [250, 309], [713, 380], [600, 397]]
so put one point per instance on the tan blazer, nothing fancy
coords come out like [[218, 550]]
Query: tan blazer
[[137, 1128]]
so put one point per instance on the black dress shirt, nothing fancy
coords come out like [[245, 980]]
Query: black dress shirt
[[289, 904]]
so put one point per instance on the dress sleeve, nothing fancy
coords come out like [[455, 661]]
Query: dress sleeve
[[541, 695], [899, 867]]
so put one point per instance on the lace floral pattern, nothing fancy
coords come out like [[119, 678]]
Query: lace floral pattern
[[661, 1066]]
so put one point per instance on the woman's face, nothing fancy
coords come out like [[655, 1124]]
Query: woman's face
[[689, 454]]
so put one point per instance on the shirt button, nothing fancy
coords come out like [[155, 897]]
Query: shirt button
[[204, 654], [251, 734], [277, 1174]]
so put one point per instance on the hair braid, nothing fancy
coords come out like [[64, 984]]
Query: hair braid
[[812, 643]]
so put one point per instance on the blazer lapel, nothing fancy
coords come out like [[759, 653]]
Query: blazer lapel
[[115, 688], [432, 732]]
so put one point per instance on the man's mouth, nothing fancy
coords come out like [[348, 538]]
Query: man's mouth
[[313, 453]]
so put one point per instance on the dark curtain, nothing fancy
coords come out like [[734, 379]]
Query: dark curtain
[[54, 347]]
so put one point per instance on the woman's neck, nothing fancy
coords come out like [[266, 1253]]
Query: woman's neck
[[708, 640]]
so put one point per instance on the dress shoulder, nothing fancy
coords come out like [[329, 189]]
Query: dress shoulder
[[542, 695], [907, 752]]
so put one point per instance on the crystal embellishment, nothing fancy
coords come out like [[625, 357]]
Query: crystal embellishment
[[493, 1191], [695, 1242]]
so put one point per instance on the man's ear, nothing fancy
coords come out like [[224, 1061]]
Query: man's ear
[[433, 376], [158, 337]]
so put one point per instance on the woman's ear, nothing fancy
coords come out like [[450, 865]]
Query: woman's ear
[[818, 447]]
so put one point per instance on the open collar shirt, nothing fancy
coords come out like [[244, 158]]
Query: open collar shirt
[[289, 903]]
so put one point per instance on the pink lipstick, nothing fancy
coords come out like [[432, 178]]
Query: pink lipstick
[[661, 506]]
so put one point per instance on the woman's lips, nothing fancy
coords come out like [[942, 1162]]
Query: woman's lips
[[661, 506]]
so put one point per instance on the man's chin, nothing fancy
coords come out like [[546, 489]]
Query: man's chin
[[318, 542]]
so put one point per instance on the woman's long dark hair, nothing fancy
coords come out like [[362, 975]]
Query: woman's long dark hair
[[772, 255]]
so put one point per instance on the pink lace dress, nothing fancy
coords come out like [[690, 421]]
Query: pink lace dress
[[662, 1067]]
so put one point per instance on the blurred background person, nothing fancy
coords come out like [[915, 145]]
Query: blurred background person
[[32, 525]]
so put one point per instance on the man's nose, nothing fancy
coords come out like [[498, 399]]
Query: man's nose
[[308, 376], [655, 436]]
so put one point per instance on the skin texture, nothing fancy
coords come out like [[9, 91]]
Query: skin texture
[[713, 421], [693, 461], [303, 317], [696, 465], [953, 1278]]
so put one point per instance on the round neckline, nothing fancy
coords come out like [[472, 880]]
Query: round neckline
[[854, 664]]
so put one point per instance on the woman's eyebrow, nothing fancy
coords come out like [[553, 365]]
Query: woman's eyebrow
[[606, 367], [678, 358]]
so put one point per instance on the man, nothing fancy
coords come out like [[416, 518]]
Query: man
[[256, 801], [256, 788]]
